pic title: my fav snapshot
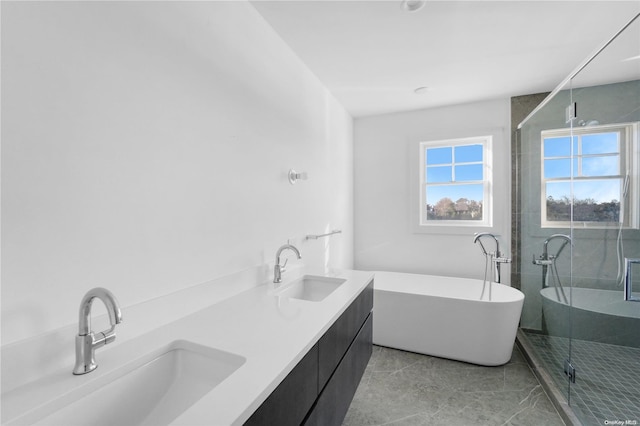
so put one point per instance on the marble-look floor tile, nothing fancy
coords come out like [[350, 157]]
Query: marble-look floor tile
[[404, 388]]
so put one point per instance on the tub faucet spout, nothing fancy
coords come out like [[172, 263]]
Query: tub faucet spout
[[279, 269], [545, 249], [496, 257], [478, 239], [87, 341], [547, 260]]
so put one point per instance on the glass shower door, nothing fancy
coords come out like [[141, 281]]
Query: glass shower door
[[543, 234], [605, 232]]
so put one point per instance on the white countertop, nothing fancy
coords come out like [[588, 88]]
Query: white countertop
[[272, 333]]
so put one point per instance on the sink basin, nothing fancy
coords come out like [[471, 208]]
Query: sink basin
[[156, 392], [311, 288]]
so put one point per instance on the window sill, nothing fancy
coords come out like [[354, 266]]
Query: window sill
[[453, 229]]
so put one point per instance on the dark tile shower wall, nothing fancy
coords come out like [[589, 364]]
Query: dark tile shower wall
[[521, 107]]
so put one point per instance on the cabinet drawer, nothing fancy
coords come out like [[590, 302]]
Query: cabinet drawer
[[335, 342], [290, 402], [334, 401]]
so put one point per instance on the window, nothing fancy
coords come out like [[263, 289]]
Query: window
[[593, 167], [456, 182]]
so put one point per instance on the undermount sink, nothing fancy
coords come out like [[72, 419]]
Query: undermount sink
[[311, 288], [156, 392]]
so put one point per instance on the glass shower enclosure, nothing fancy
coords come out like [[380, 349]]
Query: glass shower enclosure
[[577, 235]]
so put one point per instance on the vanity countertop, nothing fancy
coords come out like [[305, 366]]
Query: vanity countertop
[[271, 332]]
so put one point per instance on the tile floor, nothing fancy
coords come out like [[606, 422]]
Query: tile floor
[[607, 387], [404, 388]]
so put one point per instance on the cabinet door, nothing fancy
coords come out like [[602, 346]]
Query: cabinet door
[[334, 401], [290, 402], [335, 342]]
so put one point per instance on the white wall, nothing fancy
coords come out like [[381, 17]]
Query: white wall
[[385, 176], [145, 147]]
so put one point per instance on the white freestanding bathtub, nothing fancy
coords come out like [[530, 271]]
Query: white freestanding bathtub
[[446, 317]]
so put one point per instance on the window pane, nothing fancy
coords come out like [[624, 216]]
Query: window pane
[[601, 166], [439, 155], [455, 202], [596, 200], [468, 172], [557, 147], [557, 168], [600, 143], [455, 192], [468, 153], [597, 190], [559, 190], [559, 201], [591, 190], [439, 174]]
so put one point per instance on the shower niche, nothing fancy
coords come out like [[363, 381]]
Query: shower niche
[[576, 232]]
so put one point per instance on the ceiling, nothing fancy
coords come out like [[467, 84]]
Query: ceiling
[[372, 54]]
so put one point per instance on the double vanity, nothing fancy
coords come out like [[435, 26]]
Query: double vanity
[[278, 353]]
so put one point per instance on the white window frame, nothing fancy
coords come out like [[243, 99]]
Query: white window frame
[[629, 166], [487, 207]]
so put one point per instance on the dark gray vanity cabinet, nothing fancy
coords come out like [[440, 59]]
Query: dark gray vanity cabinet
[[334, 400], [289, 403], [319, 390], [333, 345]]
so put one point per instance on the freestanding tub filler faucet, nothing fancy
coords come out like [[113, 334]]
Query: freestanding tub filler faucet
[[496, 257], [87, 341], [278, 270]]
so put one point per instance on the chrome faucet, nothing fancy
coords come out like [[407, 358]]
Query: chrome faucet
[[87, 341], [547, 260], [477, 238], [545, 251], [278, 270], [496, 257]]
